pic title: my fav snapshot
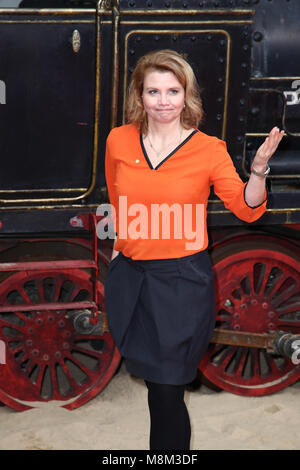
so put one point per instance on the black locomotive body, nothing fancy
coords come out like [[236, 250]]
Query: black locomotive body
[[65, 68]]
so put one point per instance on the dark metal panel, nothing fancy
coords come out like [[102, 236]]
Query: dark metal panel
[[47, 123]]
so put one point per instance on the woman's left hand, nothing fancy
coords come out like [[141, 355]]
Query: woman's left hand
[[267, 149]]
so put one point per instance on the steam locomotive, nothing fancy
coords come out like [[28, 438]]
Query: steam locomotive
[[65, 68]]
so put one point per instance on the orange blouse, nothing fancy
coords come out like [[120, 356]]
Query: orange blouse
[[161, 212]]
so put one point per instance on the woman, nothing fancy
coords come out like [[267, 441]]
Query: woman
[[159, 290]]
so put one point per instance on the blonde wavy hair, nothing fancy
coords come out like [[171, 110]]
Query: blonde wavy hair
[[171, 61]]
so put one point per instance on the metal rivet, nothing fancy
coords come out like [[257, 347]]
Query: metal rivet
[[257, 36], [137, 161]]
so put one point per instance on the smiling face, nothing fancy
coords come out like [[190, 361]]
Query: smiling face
[[163, 97]]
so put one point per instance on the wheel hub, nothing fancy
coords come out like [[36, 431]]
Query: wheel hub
[[253, 315], [49, 337]]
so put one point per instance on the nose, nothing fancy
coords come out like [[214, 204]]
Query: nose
[[163, 98]]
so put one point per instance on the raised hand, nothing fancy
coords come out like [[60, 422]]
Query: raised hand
[[267, 149]]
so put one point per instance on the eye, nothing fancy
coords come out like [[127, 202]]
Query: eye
[[152, 92], [173, 92]]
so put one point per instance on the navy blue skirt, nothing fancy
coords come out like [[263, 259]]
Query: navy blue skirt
[[161, 314]]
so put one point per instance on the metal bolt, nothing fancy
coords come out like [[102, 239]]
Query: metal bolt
[[29, 342], [66, 345], [50, 319], [61, 323], [253, 302], [35, 352], [264, 305], [46, 357], [57, 354], [257, 36], [236, 327], [236, 315], [271, 326], [271, 314], [67, 334]]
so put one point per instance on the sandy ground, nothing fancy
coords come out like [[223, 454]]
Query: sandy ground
[[118, 419]]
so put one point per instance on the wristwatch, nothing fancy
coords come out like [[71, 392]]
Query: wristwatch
[[257, 173]]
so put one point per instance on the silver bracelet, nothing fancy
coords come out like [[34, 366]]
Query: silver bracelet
[[257, 173]]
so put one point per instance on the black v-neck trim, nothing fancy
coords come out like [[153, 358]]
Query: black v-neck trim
[[168, 156]]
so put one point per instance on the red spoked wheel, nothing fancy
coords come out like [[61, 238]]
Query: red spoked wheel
[[257, 290], [46, 359]]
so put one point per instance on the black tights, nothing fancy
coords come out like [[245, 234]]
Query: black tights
[[170, 423]]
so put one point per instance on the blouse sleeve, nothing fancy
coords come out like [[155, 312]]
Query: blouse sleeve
[[110, 175], [230, 188]]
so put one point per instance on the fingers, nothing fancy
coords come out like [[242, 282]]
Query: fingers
[[269, 146], [273, 140]]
